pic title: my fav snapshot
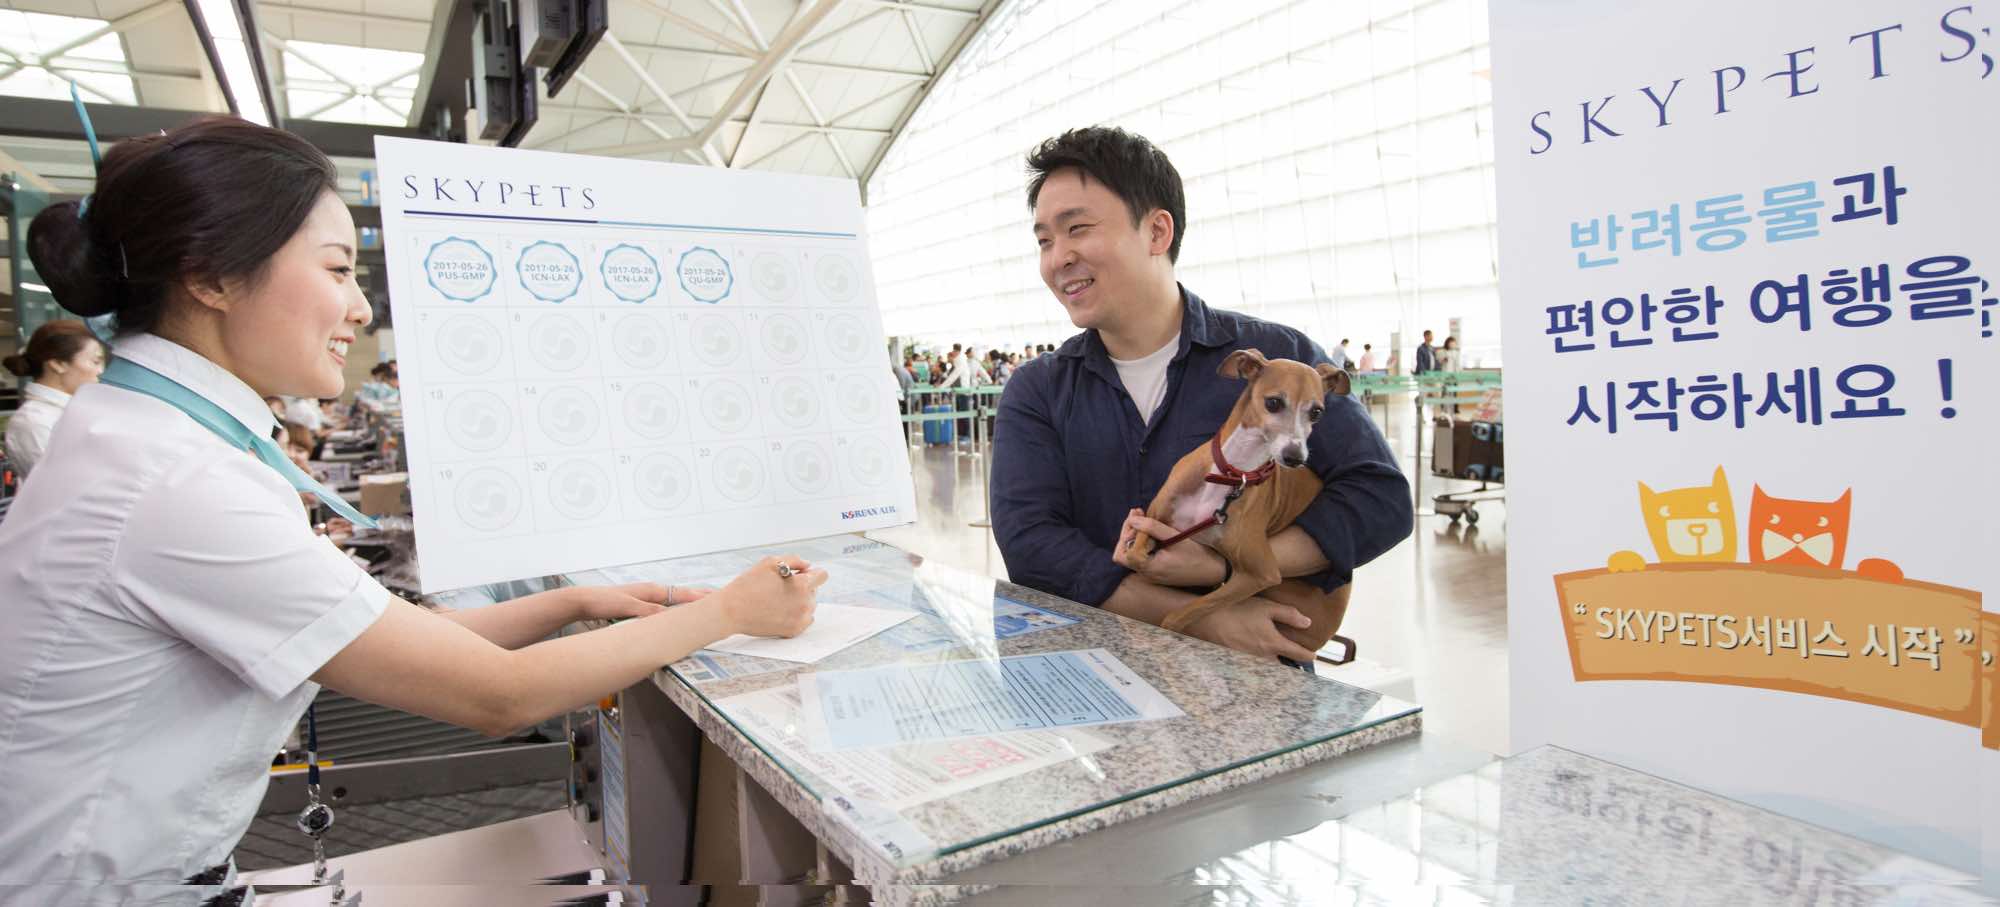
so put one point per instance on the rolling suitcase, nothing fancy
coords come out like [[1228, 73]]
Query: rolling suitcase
[[1441, 447], [943, 431], [1486, 464]]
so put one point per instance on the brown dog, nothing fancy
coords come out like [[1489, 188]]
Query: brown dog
[[1248, 483]]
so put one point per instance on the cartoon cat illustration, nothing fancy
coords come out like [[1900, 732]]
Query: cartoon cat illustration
[[1688, 525], [1807, 534], [1801, 533]]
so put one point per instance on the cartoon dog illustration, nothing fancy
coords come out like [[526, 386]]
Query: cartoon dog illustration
[[1688, 525]]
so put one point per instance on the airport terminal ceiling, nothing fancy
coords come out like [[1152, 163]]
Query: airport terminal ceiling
[[801, 87], [818, 86], [1340, 183]]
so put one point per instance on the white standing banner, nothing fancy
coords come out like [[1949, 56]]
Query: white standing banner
[[1747, 277], [607, 361]]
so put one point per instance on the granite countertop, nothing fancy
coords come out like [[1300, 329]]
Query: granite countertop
[[1246, 718]]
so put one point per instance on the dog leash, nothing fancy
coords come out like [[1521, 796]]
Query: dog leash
[[1237, 479]]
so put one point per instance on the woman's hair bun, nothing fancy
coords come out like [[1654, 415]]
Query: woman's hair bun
[[19, 365], [69, 263], [217, 197]]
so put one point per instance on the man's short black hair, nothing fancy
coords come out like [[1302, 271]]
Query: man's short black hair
[[1131, 167]]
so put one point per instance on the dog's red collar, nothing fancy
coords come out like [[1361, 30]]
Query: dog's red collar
[[1231, 476]]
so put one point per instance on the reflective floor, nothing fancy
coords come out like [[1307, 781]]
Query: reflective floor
[[1434, 608]]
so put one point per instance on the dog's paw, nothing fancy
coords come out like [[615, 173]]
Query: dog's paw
[[1626, 562]]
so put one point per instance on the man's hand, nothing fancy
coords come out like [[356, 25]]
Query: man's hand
[[1252, 626], [1187, 565]]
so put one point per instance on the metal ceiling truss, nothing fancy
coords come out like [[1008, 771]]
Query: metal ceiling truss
[[52, 62], [772, 59], [44, 118], [702, 143], [965, 36], [348, 88], [736, 36]]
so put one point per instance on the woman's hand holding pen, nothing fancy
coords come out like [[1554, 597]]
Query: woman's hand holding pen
[[773, 598]]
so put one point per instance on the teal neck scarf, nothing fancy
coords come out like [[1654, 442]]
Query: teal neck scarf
[[137, 378]]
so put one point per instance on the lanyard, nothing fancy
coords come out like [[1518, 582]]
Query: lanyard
[[317, 817], [137, 378]]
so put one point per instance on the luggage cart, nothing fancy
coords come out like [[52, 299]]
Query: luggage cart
[[1465, 503], [1463, 449]]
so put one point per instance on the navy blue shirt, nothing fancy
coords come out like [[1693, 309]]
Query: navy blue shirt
[[1071, 457]]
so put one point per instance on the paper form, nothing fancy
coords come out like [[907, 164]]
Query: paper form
[[945, 700], [902, 777]]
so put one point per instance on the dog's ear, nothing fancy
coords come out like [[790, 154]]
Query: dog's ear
[[1245, 364], [1335, 379]]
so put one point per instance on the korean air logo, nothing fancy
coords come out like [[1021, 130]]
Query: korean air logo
[[867, 512]]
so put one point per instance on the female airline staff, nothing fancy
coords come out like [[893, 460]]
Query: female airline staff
[[169, 613], [61, 357]]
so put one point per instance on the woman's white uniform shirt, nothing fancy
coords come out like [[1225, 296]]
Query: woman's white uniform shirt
[[28, 429], [165, 602]]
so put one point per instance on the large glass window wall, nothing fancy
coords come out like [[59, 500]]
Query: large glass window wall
[[1337, 157]]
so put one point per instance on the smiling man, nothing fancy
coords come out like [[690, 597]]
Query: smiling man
[[1085, 437]]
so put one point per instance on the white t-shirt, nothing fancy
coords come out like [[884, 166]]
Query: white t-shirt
[[28, 429], [1146, 377], [164, 602]]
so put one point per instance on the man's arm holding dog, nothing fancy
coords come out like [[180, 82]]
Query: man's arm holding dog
[[1363, 508], [1038, 536], [1362, 511], [1250, 627]]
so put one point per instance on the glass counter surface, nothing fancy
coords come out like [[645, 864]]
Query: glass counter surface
[[1550, 826], [1244, 717]]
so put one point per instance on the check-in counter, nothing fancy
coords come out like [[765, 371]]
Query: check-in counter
[[901, 817], [712, 784], [1272, 786]]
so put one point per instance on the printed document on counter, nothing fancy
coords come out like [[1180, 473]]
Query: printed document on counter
[[943, 700], [903, 777]]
